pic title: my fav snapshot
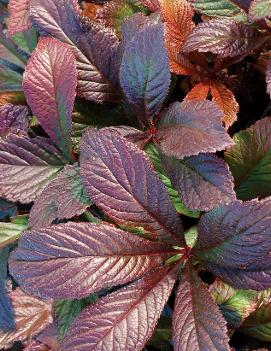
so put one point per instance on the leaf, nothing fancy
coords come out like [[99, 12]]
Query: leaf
[[26, 167], [199, 92], [268, 77], [51, 94], [153, 5], [13, 119], [7, 209], [63, 197], [197, 321], [94, 46], [223, 37], [123, 320], [10, 80], [6, 311], [259, 9], [144, 72], [236, 236], [203, 182], [31, 316], [235, 305], [116, 175], [35, 346], [10, 232], [19, 16], [73, 260], [249, 160], [190, 128]]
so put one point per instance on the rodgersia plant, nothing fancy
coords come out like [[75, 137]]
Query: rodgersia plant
[[123, 207]]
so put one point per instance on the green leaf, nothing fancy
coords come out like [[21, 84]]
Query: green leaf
[[191, 236], [249, 160], [162, 335], [260, 9], [154, 156], [10, 232]]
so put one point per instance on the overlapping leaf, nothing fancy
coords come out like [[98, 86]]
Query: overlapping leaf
[[13, 119], [51, 94], [31, 316], [97, 73], [144, 73], [19, 16], [7, 209], [197, 321], [113, 321], [10, 232], [260, 9], [203, 181], [26, 167], [74, 259], [153, 5], [249, 160], [199, 92], [268, 77], [118, 176], [192, 127]]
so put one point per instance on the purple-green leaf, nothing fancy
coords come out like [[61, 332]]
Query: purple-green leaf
[[73, 260], [13, 119], [121, 180]]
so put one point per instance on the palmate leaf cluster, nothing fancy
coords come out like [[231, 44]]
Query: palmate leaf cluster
[[103, 168]]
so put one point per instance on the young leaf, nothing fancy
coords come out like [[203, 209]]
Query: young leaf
[[73, 260], [7, 209], [19, 16], [203, 181], [249, 160], [51, 94], [31, 316], [60, 18], [190, 128], [268, 77], [10, 232], [63, 197], [223, 37], [259, 9], [197, 321], [26, 166], [13, 119], [117, 176], [144, 72], [123, 320], [236, 236], [199, 92]]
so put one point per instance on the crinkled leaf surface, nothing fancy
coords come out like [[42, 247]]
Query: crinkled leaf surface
[[199, 92], [97, 74], [7, 208], [26, 166], [118, 178], [49, 85], [197, 322], [223, 37], [144, 72], [13, 119], [31, 317], [190, 128], [268, 77], [236, 236], [203, 181], [249, 160], [123, 320], [153, 5], [260, 9], [74, 259], [19, 16]]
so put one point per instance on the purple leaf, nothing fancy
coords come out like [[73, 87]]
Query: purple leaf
[[236, 236], [63, 197], [123, 320], [268, 77], [26, 167], [133, 135], [197, 321], [153, 5], [60, 18], [19, 16], [118, 176], [203, 182], [49, 85], [144, 72], [13, 119], [192, 127], [74, 259]]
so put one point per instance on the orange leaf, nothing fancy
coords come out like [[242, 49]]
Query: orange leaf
[[226, 101], [199, 92], [178, 63], [90, 10], [15, 98]]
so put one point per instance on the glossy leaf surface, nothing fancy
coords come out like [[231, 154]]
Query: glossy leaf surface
[[19, 16]]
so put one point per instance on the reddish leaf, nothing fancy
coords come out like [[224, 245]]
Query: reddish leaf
[[123, 320], [19, 16], [117, 174], [199, 92], [31, 316], [64, 197], [26, 166], [90, 10], [197, 322], [178, 63], [74, 259], [153, 5], [190, 128], [35, 346], [13, 119], [223, 37], [268, 77], [203, 182], [51, 94]]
